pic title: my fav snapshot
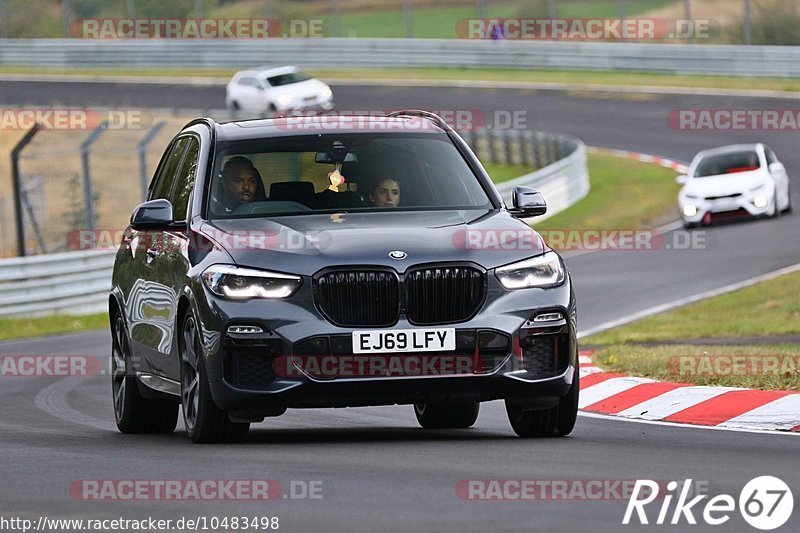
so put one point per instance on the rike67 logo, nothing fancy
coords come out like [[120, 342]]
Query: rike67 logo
[[766, 503]]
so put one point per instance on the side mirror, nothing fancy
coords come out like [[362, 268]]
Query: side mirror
[[153, 214], [681, 180], [777, 166], [527, 202]]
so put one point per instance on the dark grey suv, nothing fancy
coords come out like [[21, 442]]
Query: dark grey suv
[[362, 261]]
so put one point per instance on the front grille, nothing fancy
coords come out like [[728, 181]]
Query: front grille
[[711, 198], [443, 294], [359, 298]]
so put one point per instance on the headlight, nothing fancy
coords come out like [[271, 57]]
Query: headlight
[[760, 200], [237, 283], [543, 271], [326, 92], [689, 210], [285, 99]]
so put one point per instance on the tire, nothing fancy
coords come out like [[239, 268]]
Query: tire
[[204, 421], [446, 415], [132, 412], [558, 421]]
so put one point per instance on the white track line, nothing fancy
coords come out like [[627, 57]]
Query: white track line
[[684, 426], [690, 299]]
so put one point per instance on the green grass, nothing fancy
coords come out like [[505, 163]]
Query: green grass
[[772, 309], [625, 194], [774, 367], [565, 77], [14, 328], [768, 308], [500, 173]]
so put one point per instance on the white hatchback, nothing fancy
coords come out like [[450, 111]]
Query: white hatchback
[[733, 181], [270, 90]]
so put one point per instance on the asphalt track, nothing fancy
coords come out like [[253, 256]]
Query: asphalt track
[[379, 471]]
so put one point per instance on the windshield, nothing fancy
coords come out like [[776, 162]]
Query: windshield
[[731, 163], [286, 79], [300, 175]]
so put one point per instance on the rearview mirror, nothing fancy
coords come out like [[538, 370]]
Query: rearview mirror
[[680, 180], [527, 202], [331, 159], [153, 214]]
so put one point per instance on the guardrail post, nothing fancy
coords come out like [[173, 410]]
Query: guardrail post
[[748, 19], [143, 155], [87, 176], [18, 216], [3, 20]]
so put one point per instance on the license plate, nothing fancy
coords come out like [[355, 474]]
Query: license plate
[[404, 340]]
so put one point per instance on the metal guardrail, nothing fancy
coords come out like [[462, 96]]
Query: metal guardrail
[[79, 282], [732, 60], [68, 283]]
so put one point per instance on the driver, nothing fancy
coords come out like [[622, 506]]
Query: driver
[[241, 184]]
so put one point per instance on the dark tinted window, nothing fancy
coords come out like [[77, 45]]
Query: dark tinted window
[[164, 179], [286, 79], [184, 182], [732, 163], [293, 175]]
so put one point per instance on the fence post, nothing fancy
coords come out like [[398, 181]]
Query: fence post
[[87, 176], [748, 16], [18, 216], [337, 18], [409, 16], [143, 155], [3, 20]]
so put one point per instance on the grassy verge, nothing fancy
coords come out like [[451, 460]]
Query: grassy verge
[[771, 308], [14, 328], [774, 367], [625, 194], [570, 77]]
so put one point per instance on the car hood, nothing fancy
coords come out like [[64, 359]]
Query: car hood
[[307, 243], [726, 184]]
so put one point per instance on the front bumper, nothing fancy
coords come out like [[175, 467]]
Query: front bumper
[[744, 205], [518, 376]]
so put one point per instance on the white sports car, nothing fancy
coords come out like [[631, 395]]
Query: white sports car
[[268, 90], [733, 181]]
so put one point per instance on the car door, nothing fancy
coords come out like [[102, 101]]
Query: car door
[[150, 303], [170, 265], [252, 94]]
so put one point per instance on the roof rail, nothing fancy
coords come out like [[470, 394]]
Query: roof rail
[[433, 117], [206, 121]]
